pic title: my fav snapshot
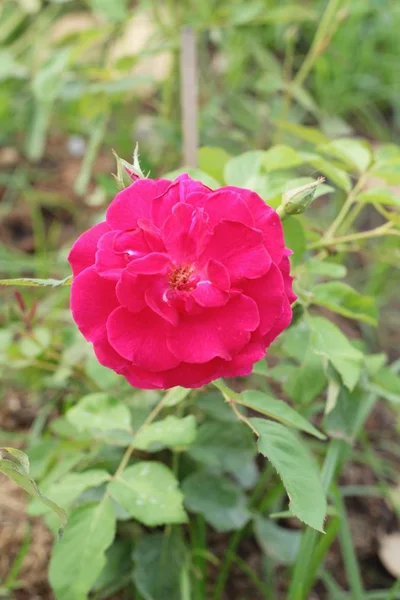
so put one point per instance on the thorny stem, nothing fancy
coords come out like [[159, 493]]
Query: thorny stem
[[383, 230], [336, 223], [130, 450]]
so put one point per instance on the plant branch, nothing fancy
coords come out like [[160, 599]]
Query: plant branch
[[385, 229]]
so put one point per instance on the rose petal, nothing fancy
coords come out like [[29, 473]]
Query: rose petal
[[206, 294], [186, 232], [280, 325], [284, 266], [266, 219], [92, 300], [218, 274], [141, 339], [178, 191], [240, 249], [82, 253], [269, 294], [109, 264], [151, 264], [221, 204], [156, 298], [134, 202], [140, 378], [215, 332]]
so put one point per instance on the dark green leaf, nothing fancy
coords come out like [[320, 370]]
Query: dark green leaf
[[159, 561], [280, 544], [343, 299]]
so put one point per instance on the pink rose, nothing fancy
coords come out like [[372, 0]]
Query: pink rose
[[181, 284]]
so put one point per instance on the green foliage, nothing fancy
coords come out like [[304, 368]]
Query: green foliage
[[297, 469], [148, 491], [221, 501], [79, 558], [161, 561], [281, 106]]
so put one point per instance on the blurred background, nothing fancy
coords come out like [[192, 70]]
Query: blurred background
[[79, 78]]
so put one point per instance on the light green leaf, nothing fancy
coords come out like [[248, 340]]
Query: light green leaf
[[212, 161], [279, 543], [309, 134], [297, 469], [374, 363], [260, 368], [29, 282], [379, 196], [386, 384], [343, 299], [243, 170], [112, 11], [330, 342], [78, 559], [330, 170], [196, 174], [281, 157], [176, 395], [170, 432], [149, 492], [222, 448], [160, 559], [70, 487], [354, 152], [278, 410], [48, 81], [221, 501], [323, 268], [99, 412], [15, 464]]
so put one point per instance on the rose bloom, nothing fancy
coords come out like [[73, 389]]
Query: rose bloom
[[182, 284]]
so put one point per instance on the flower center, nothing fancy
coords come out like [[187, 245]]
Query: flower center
[[180, 278]]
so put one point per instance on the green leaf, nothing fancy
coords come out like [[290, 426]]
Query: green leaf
[[295, 239], [70, 487], [111, 11], [243, 170], [380, 196], [386, 384], [29, 282], [323, 268], [222, 448], [160, 560], [214, 406], [306, 382], [344, 300], [309, 134], [48, 81], [260, 368], [297, 469], [78, 559], [15, 464], [212, 161], [149, 492], [221, 501], [329, 341], [343, 420], [170, 432], [278, 410], [330, 170], [116, 570], [281, 157], [355, 153], [196, 174], [279, 543], [176, 395], [99, 412]]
